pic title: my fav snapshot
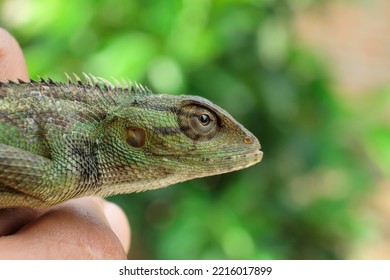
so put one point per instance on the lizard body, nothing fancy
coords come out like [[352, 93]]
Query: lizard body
[[64, 140]]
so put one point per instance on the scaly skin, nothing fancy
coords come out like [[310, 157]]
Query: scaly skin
[[64, 140]]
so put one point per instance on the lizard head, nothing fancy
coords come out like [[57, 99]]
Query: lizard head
[[177, 138]]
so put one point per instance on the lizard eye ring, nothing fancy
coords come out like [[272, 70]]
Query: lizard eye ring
[[198, 122]]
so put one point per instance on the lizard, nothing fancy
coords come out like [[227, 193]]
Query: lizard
[[62, 140]]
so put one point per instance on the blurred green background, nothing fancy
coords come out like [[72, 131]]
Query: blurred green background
[[324, 153]]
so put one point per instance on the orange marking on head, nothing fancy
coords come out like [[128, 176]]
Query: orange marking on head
[[248, 140]]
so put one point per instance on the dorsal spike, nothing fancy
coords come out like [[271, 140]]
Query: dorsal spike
[[20, 81], [77, 78], [107, 85], [68, 79], [124, 83], [147, 90], [117, 83], [88, 79], [135, 86], [95, 81]]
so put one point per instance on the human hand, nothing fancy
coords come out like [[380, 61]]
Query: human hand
[[84, 228]]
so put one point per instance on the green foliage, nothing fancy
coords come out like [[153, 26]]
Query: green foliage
[[300, 202]]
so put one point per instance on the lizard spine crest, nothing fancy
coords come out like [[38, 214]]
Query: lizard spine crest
[[89, 82]]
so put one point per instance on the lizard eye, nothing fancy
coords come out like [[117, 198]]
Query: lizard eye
[[197, 122], [204, 119]]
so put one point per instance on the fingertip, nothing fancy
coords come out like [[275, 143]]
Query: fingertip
[[12, 220], [76, 229], [119, 223], [12, 63], [112, 214]]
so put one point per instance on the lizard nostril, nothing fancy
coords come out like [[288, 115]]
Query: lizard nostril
[[248, 140]]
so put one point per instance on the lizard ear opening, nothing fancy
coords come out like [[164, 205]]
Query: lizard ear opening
[[135, 137]]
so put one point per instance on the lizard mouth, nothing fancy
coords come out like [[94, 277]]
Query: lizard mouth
[[255, 151], [237, 161], [245, 159], [259, 155], [256, 154]]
